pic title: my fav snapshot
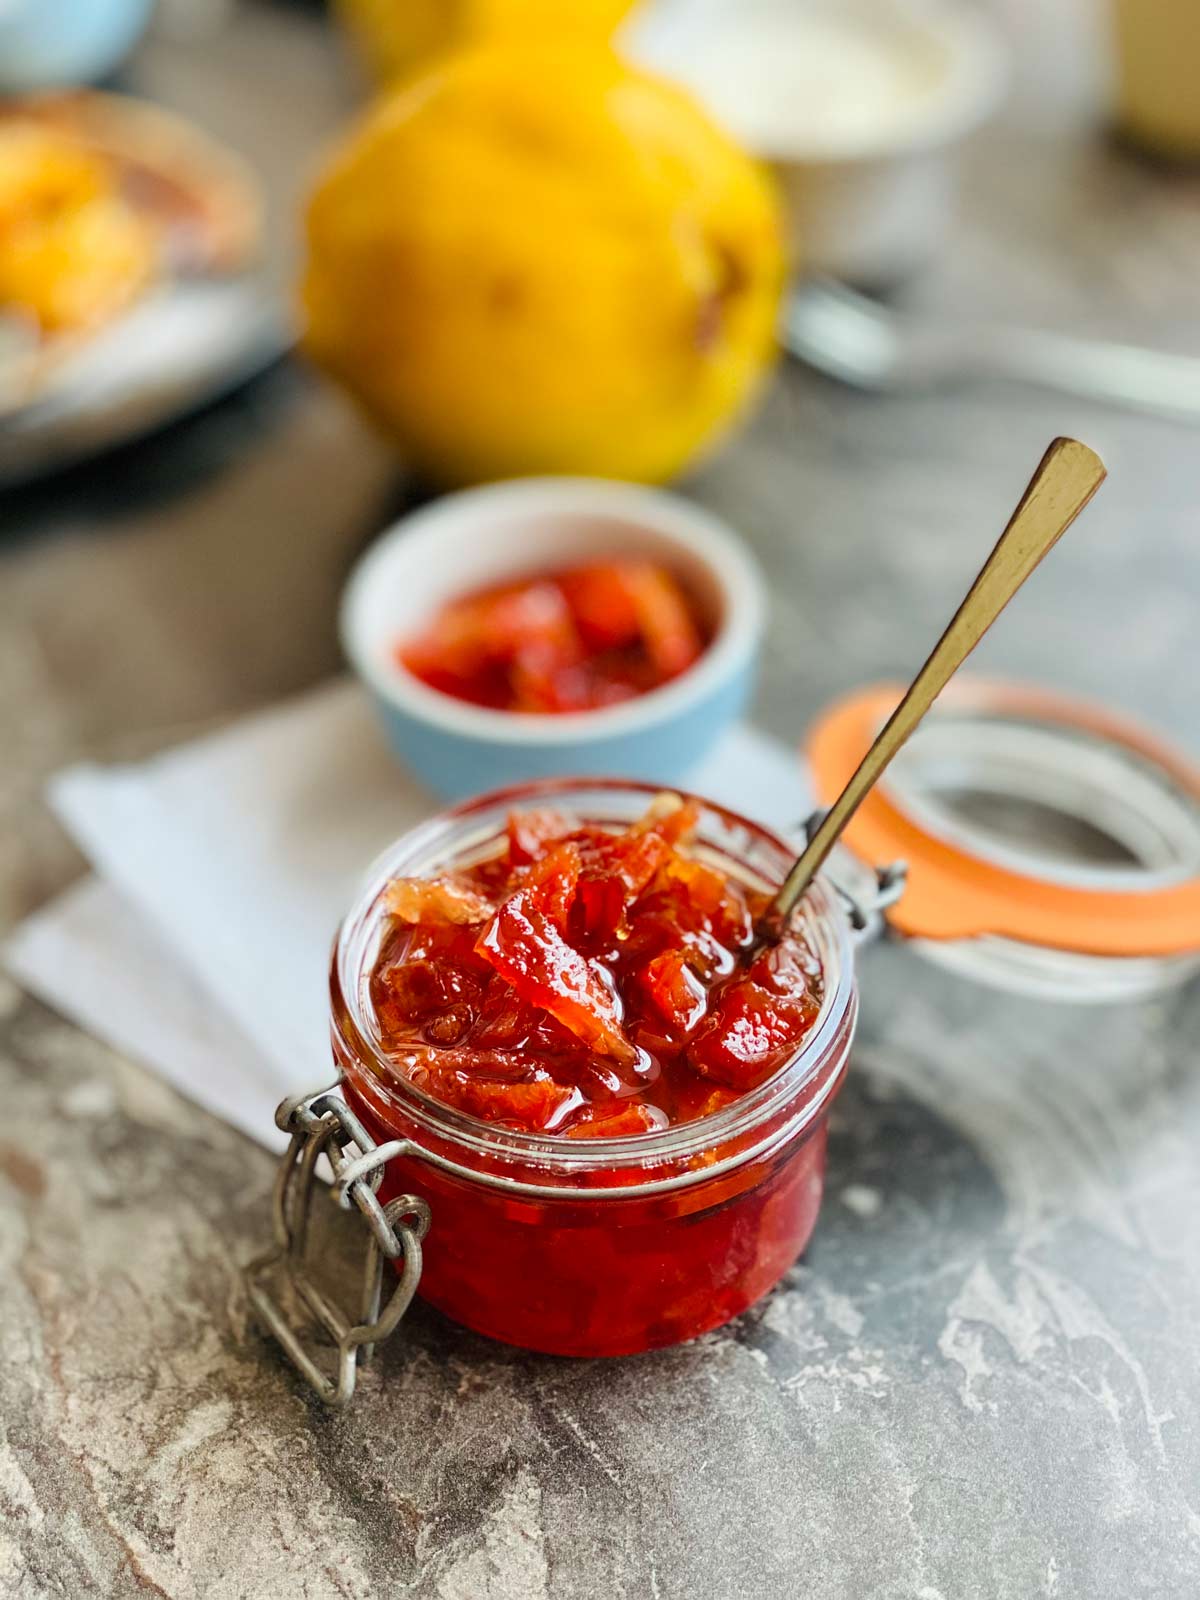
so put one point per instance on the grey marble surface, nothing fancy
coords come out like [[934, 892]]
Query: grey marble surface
[[981, 1382]]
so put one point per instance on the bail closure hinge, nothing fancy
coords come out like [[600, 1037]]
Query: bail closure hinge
[[323, 1124], [865, 892]]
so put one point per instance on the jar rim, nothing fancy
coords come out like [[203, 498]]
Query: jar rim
[[823, 916]]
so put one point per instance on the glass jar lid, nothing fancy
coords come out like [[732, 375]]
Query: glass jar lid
[[1052, 846]]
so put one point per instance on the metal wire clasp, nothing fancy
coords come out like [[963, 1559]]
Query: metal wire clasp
[[323, 1124], [866, 894]]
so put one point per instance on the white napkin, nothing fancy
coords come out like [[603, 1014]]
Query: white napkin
[[98, 961], [202, 947]]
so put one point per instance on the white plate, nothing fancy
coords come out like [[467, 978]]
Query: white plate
[[174, 352]]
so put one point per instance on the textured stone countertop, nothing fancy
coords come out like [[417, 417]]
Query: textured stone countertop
[[983, 1379]]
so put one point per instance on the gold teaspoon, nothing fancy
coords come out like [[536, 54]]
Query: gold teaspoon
[[1066, 479]]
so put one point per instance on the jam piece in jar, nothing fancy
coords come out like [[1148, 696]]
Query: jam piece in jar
[[571, 640], [586, 982]]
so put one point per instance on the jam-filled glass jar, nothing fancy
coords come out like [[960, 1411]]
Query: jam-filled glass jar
[[604, 1246]]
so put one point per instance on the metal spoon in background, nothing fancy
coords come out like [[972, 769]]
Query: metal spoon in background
[[1066, 479], [872, 346]]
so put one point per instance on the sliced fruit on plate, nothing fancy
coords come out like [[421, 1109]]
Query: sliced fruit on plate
[[102, 199]]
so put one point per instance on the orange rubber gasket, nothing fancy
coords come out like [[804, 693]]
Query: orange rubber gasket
[[952, 894]]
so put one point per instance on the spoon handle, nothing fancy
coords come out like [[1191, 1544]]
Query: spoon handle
[[1066, 479]]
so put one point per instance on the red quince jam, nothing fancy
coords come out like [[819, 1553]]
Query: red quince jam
[[575, 639], [588, 983]]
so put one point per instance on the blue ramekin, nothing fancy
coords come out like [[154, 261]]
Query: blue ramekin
[[504, 531], [50, 44]]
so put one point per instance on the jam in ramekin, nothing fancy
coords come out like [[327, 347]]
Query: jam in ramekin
[[569, 639]]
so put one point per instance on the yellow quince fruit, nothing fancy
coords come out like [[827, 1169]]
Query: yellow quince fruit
[[397, 37], [544, 261]]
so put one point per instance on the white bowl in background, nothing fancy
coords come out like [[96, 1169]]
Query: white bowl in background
[[859, 105]]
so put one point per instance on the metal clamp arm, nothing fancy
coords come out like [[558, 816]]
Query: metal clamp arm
[[323, 1124], [866, 894]]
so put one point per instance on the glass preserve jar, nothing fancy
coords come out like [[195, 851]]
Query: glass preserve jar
[[1052, 849], [597, 1247]]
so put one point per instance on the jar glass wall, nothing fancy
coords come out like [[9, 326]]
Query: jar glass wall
[[605, 1246]]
